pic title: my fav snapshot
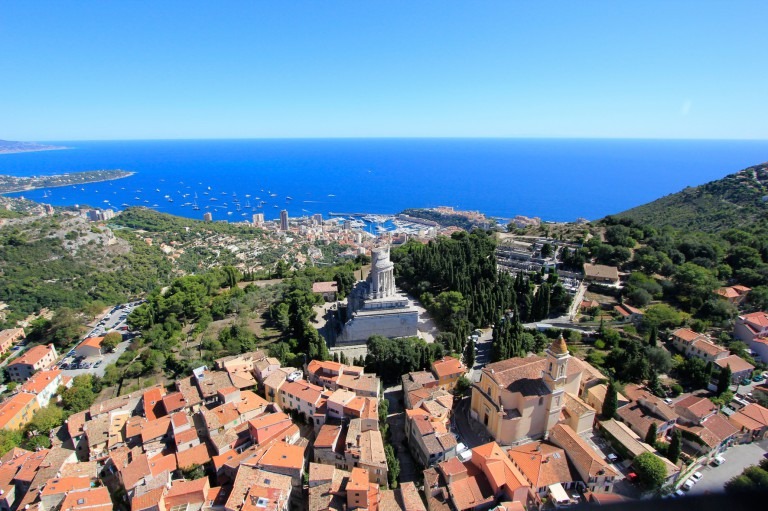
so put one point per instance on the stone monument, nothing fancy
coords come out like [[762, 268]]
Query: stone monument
[[375, 307]]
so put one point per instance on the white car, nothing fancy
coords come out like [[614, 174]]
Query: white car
[[719, 460], [697, 476]]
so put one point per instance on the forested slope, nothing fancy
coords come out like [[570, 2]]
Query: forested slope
[[736, 201]]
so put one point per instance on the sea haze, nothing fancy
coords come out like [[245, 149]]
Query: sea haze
[[555, 179]]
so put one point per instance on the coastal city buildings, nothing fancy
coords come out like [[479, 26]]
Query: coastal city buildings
[[284, 220]]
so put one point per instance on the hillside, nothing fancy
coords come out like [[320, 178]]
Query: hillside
[[12, 146], [737, 200]]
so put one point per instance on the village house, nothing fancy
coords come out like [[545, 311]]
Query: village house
[[17, 410], [601, 274], [328, 289], [88, 499], [753, 329], [333, 376], [543, 466], [596, 474], [350, 446], [629, 445], [740, 368], [275, 381], [303, 397], [430, 440], [485, 480], [705, 430], [9, 338], [35, 359], [90, 347], [43, 385], [733, 294], [694, 344], [447, 371], [645, 409], [751, 422], [334, 489], [595, 397]]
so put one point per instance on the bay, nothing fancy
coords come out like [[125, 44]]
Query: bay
[[555, 179]]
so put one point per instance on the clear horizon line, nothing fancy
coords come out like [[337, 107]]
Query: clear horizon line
[[476, 137]]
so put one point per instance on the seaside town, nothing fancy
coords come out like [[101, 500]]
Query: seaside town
[[480, 424]]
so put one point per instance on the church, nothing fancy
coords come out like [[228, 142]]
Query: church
[[375, 307], [523, 398]]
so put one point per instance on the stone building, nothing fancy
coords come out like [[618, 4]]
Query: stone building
[[374, 307]]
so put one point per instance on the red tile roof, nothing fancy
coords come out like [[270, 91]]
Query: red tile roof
[[92, 499], [34, 355], [40, 380], [197, 455], [448, 366], [736, 363]]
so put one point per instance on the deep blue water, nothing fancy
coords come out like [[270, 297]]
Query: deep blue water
[[555, 179]]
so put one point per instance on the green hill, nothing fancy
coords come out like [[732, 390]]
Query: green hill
[[737, 200]]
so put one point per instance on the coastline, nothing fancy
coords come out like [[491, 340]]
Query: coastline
[[35, 150], [73, 183]]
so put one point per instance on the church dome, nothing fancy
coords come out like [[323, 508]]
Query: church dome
[[558, 346]]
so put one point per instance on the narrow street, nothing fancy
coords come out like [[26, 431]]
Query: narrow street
[[396, 421]]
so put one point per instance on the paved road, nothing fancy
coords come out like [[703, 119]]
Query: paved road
[[737, 458], [483, 355]]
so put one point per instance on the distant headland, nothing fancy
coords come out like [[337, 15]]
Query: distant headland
[[10, 184], [12, 146]]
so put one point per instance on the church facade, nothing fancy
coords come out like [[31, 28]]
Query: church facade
[[375, 307], [523, 398]]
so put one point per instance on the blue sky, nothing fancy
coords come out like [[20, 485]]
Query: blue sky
[[141, 70]]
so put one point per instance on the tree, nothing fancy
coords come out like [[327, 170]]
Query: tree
[[469, 354], [652, 434], [9, 439], [724, 380], [111, 340], [462, 385], [393, 465], [653, 336], [651, 471], [675, 446], [611, 402]]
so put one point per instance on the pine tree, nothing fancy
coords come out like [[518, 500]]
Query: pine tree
[[611, 402], [650, 437], [724, 380], [673, 452]]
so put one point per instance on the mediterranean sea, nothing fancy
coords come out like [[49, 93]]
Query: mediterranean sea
[[555, 179]]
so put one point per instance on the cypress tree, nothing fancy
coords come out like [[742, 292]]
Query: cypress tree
[[724, 380], [653, 336], [650, 437], [673, 452], [611, 402]]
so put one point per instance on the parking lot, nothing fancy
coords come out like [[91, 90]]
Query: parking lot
[[113, 320], [737, 458]]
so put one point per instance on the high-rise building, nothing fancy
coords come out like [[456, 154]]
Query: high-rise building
[[258, 219], [207, 216], [318, 218], [284, 220]]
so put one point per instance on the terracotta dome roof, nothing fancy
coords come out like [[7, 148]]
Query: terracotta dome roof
[[559, 347]]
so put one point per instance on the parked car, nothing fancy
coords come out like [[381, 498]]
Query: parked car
[[612, 458], [746, 381], [97, 364], [680, 493], [688, 484], [697, 476], [719, 460], [632, 477]]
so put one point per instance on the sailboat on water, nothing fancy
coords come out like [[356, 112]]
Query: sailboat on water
[[194, 203]]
